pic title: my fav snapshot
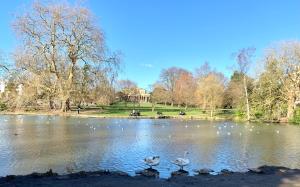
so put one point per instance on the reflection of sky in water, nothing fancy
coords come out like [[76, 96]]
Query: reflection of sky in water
[[44, 142]]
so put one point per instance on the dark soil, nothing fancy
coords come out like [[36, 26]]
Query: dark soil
[[262, 176]]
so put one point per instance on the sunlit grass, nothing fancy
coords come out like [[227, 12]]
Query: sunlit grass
[[123, 110]]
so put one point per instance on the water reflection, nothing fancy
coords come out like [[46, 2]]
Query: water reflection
[[37, 143]]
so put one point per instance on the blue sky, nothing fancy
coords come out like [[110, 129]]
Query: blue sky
[[157, 34]]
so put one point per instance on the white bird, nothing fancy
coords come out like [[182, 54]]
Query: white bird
[[152, 161], [181, 162]]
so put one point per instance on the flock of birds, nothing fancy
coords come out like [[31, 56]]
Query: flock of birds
[[220, 129], [154, 161]]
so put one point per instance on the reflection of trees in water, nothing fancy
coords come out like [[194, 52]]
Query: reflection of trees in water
[[129, 142], [54, 142], [265, 146], [45, 144], [291, 147]]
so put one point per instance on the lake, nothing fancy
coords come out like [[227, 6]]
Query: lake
[[37, 143]]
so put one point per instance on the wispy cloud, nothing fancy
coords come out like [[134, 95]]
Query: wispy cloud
[[147, 65]]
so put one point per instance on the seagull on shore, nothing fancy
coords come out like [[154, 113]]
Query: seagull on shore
[[181, 162], [152, 161]]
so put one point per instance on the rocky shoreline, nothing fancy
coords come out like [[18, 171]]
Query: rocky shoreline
[[262, 176]]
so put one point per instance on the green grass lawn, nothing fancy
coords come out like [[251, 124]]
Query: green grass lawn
[[122, 110]]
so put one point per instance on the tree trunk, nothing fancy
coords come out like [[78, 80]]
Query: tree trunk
[[185, 108], [172, 104], [65, 105], [66, 91], [212, 107], [153, 106], [68, 107], [247, 99], [51, 104], [204, 105], [291, 106]]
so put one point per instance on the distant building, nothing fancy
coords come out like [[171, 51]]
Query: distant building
[[142, 96]]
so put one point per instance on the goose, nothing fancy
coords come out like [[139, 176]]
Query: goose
[[181, 162], [152, 161]]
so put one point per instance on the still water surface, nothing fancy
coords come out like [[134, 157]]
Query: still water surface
[[36, 143]]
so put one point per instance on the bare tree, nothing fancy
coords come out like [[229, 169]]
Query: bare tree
[[59, 37], [128, 91], [243, 58], [184, 89], [203, 70], [158, 95], [168, 78], [210, 91]]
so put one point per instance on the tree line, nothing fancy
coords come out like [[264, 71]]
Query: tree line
[[273, 94]]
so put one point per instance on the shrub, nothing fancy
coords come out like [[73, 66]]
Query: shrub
[[3, 106]]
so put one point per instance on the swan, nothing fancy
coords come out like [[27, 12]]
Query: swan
[[181, 162], [152, 161]]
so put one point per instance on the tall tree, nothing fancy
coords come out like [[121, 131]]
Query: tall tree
[[210, 89], [168, 78], [234, 96], [158, 95], [244, 59], [268, 102], [203, 70], [59, 38], [184, 89], [128, 91], [285, 58]]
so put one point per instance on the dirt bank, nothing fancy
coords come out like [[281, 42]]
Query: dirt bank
[[263, 176]]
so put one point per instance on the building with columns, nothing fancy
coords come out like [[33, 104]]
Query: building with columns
[[141, 96], [144, 97]]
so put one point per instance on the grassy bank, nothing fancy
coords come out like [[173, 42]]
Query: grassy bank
[[123, 110]]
